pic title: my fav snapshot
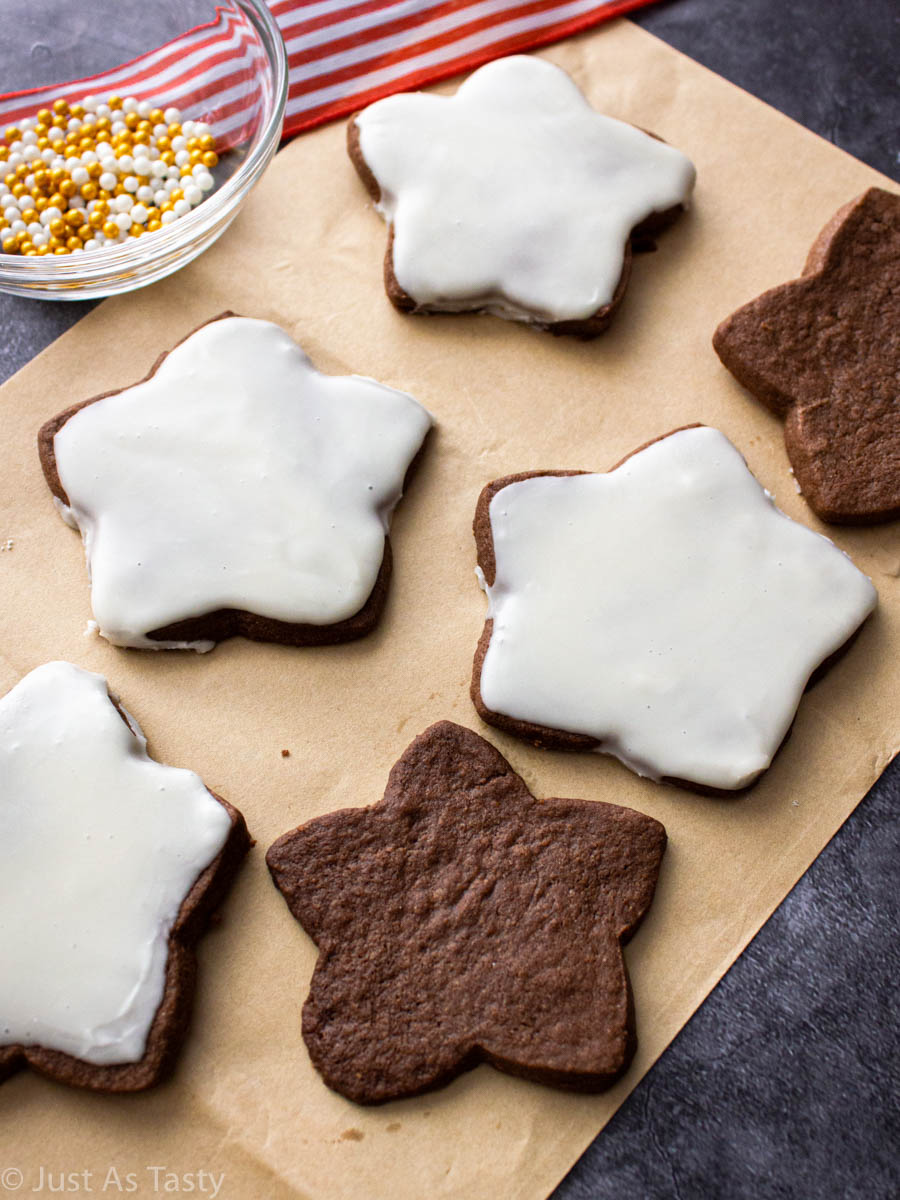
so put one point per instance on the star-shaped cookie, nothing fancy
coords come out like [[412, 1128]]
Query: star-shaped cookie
[[664, 612], [460, 920], [514, 196], [110, 867], [823, 351], [235, 490]]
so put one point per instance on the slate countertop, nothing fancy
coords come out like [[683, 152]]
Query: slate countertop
[[783, 1084]]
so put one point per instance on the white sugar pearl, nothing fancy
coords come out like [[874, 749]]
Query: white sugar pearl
[[92, 244], [88, 121], [118, 127], [29, 182], [15, 160], [172, 115], [121, 203], [80, 176], [181, 158], [73, 124], [130, 183], [145, 108], [88, 156], [140, 215], [35, 228], [172, 184], [193, 194], [182, 208], [89, 104], [77, 202], [123, 220], [105, 150], [142, 166], [179, 143], [17, 227], [24, 202], [103, 110], [158, 169], [55, 134], [50, 214], [160, 131], [48, 155], [40, 238], [173, 172], [205, 182], [11, 212], [30, 153], [71, 163], [145, 194], [29, 138], [160, 197], [188, 128], [129, 104], [126, 164], [201, 128], [57, 162], [28, 123], [17, 146], [167, 217], [109, 163], [108, 180]]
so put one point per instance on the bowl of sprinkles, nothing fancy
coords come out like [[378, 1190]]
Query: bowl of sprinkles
[[104, 191]]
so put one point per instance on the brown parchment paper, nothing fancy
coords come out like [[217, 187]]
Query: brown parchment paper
[[307, 253]]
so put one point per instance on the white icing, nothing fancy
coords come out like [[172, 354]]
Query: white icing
[[99, 845], [666, 608], [514, 195], [238, 476]]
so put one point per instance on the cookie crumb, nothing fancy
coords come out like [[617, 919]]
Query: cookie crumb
[[285, 754], [352, 1135]]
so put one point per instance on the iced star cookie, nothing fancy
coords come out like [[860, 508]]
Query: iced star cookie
[[235, 490], [459, 920], [665, 612], [110, 867], [514, 197], [823, 352]]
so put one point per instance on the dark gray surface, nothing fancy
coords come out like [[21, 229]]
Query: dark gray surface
[[783, 1083]]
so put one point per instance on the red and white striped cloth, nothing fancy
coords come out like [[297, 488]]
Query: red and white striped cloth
[[341, 56]]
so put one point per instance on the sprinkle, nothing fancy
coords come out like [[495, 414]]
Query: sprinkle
[[86, 174]]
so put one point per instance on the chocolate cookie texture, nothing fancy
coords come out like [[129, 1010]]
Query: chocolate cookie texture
[[460, 920], [823, 351], [235, 490], [664, 612], [514, 196], [110, 867]]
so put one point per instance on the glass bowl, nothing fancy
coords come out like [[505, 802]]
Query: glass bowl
[[254, 59]]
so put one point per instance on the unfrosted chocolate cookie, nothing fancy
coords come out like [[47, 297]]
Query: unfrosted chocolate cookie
[[235, 490], [459, 920], [514, 197], [823, 352], [111, 865], [664, 612]]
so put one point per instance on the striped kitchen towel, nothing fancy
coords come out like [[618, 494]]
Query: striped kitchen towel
[[341, 56]]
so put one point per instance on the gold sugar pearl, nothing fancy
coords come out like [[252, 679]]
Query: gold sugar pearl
[[60, 108], [67, 189], [73, 218], [114, 102], [57, 227], [89, 191], [13, 133], [111, 229]]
